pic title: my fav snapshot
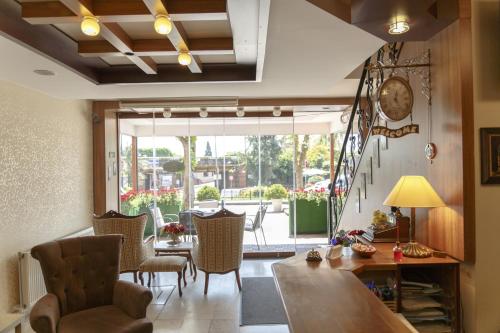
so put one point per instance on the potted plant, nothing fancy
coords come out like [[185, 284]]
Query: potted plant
[[276, 193], [208, 197], [311, 211]]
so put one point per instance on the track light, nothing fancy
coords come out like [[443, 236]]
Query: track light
[[276, 111], [184, 58], [167, 113], [90, 26], [163, 25], [203, 112], [240, 111]]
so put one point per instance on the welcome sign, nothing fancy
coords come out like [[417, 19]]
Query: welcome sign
[[395, 133]]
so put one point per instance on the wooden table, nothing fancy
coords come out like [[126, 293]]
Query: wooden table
[[328, 297], [10, 321], [183, 249]]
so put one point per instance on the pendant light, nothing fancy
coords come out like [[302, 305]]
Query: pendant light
[[163, 25], [276, 111], [184, 58], [203, 112], [90, 26], [240, 111]]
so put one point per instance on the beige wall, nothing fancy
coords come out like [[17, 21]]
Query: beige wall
[[45, 175]]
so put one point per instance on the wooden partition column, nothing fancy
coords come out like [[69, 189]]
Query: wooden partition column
[[105, 141]]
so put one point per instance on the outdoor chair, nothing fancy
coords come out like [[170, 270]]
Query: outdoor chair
[[135, 249], [186, 219], [218, 248], [84, 293], [256, 224], [161, 220]]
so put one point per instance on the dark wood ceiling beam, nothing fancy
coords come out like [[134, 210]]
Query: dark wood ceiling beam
[[177, 36], [178, 74], [54, 12], [211, 114], [157, 47], [114, 34]]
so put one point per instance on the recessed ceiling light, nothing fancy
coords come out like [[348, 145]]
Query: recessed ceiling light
[[44, 72], [276, 111], [400, 26]]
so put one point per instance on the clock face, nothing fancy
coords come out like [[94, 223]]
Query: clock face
[[395, 99]]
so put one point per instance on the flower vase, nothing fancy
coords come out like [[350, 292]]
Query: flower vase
[[175, 240], [346, 250]]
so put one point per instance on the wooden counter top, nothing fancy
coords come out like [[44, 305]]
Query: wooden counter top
[[328, 297]]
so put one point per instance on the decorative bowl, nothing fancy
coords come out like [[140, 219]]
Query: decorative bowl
[[363, 250]]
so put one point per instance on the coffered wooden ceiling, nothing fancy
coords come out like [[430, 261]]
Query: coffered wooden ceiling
[[128, 49]]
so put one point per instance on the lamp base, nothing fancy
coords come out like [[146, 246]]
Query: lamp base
[[415, 250]]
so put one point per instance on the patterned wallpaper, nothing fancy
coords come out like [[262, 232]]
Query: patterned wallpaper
[[45, 175]]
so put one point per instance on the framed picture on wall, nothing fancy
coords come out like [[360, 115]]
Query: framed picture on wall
[[490, 155]]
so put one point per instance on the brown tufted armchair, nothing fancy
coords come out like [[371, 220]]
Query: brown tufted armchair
[[84, 293], [135, 249]]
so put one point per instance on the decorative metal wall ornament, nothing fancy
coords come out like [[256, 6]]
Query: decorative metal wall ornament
[[397, 132]]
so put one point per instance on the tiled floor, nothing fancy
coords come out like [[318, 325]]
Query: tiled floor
[[219, 311]]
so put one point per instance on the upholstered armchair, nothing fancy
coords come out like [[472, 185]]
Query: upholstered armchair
[[135, 249], [84, 293], [218, 248]]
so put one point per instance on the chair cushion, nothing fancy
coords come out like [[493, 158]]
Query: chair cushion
[[103, 319], [163, 264]]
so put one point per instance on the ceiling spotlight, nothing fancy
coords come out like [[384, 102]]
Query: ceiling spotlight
[[184, 58], [203, 112], [276, 111], [167, 113], [240, 111], [90, 26], [163, 25], [400, 26]]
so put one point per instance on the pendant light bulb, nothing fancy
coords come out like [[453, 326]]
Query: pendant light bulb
[[167, 113], [163, 25], [184, 58], [276, 111], [240, 111], [203, 112], [90, 26]]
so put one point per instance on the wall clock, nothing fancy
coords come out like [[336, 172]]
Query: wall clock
[[395, 99]]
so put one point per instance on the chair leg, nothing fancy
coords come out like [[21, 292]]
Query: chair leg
[[195, 272], [141, 278], [135, 276], [190, 260], [207, 277], [238, 281], [255, 234], [184, 275], [262, 230], [149, 279], [179, 278]]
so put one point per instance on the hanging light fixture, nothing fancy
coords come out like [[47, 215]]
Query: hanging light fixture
[[90, 26], [399, 26], [163, 25], [167, 113], [240, 111], [203, 112], [184, 58], [276, 111]]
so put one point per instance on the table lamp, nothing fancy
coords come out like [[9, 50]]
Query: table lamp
[[414, 192]]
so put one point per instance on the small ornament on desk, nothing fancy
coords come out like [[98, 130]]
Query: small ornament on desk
[[334, 252], [398, 252], [313, 255]]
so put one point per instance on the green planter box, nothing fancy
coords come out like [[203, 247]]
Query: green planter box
[[311, 217]]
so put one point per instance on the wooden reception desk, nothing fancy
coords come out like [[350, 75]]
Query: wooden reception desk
[[329, 297]]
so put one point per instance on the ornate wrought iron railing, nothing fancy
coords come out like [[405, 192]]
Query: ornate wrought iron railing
[[358, 131]]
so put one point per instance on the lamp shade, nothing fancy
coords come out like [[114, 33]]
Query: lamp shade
[[413, 191]]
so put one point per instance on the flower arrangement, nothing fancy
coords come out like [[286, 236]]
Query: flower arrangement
[[145, 198], [174, 229], [346, 238], [312, 195]]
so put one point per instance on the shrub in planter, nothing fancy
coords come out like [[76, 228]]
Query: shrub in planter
[[208, 193], [275, 191], [311, 212]]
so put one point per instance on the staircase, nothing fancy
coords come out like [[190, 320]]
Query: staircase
[[362, 118]]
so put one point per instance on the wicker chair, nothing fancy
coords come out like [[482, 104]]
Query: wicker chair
[[218, 248], [135, 249]]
